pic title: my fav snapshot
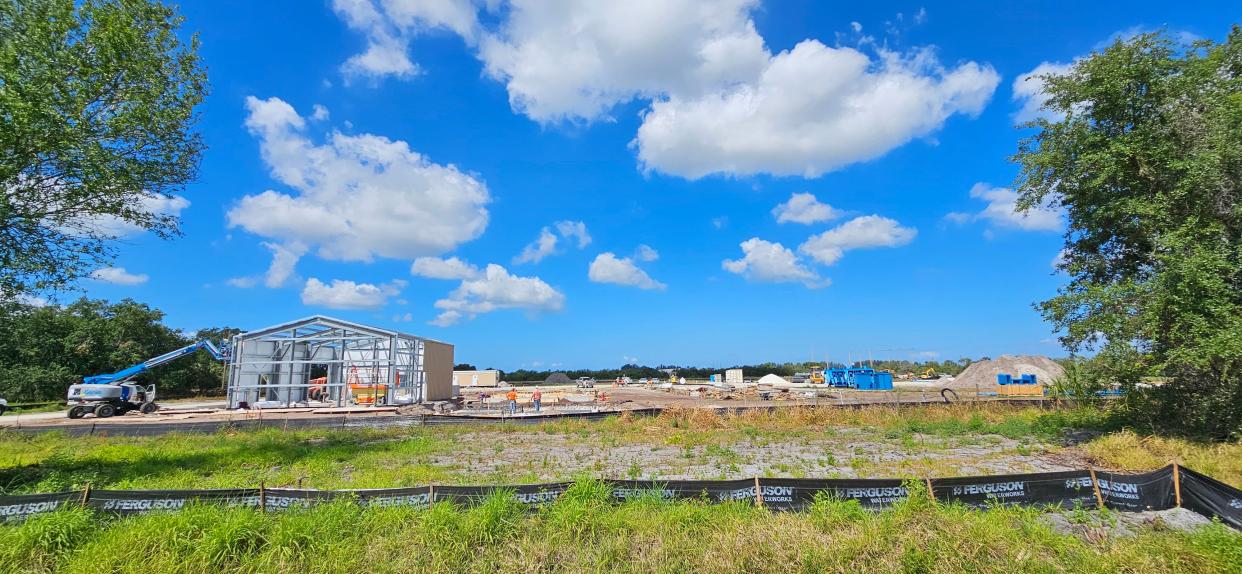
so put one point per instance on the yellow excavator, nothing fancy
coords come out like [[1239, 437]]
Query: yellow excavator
[[929, 374]]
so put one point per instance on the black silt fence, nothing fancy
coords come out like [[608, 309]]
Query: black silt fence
[[1162, 489]]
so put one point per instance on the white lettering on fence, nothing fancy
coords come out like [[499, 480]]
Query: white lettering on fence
[[28, 508], [1016, 489]]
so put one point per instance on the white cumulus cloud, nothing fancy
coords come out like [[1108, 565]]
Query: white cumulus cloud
[[858, 233], [608, 268], [390, 24], [1002, 210], [119, 276], [576, 60], [112, 226], [538, 249], [356, 196], [646, 253], [284, 258], [438, 268], [497, 289], [343, 294], [575, 230], [813, 109], [771, 262], [804, 208], [720, 101], [1028, 92], [1060, 260], [546, 243]]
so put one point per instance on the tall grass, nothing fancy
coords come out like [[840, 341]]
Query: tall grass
[[1129, 451], [584, 531]]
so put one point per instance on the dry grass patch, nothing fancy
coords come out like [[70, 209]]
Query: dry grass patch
[[1129, 451]]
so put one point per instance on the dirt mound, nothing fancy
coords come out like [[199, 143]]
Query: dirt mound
[[983, 373]]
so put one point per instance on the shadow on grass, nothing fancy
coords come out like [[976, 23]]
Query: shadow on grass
[[103, 465]]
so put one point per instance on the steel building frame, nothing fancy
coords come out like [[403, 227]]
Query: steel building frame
[[274, 366]]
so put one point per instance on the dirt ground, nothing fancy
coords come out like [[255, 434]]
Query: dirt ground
[[1096, 526], [556, 399], [838, 453]]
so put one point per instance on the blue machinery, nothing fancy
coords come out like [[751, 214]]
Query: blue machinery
[[861, 378], [219, 354]]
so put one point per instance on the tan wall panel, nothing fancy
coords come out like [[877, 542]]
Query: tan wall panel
[[438, 363], [477, 378]]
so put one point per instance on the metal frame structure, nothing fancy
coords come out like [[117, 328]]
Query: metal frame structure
[[274, 366]]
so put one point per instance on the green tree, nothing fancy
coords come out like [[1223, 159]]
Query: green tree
[[1144, 153], [43, 350], [97, 100]]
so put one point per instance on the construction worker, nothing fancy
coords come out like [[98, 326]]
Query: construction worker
[[537, 398], [512, 396]]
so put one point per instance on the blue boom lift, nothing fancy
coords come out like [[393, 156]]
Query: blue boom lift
[[114, 394]]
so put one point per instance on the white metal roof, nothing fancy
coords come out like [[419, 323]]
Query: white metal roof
[[331, 322]]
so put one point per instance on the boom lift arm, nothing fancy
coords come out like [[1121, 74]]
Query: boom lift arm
[[218, 353]]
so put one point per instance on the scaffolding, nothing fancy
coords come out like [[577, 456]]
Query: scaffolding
[[322, 361]]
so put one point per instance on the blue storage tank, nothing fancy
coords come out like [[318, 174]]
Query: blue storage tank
[[1007, 379], [883, 381], [864, 381]]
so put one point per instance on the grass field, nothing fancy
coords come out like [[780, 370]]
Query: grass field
[[584, 531], [824, 443]]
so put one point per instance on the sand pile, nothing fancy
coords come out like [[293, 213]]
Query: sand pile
[[773, 380], [983, 373]]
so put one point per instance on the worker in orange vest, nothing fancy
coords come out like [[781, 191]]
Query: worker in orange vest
[[537, 398], [512, 396]]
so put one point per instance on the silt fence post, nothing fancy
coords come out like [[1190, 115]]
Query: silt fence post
[[1095, 485], [1177, 484]]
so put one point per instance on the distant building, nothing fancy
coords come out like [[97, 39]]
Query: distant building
[[733, 375], [487, 378]]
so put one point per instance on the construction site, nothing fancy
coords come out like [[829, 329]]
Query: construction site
[[321, 416], [321, 366]]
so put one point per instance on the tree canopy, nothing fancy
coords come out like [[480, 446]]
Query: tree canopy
[[97, 101], [43, 350], [1142, 148]]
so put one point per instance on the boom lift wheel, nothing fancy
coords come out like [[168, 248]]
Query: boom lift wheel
[[104, 411], [148, 408], [77, 412]]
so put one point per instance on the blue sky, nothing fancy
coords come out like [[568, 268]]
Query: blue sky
[[391, 161]]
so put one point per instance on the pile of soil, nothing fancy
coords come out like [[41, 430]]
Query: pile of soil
[[983, 373]]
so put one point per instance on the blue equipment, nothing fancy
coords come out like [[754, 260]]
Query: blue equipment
[[1007, 379], [114, 393], [135, 370], [861, 378]]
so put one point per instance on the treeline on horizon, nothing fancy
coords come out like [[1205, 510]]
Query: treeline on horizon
[[635, 372]]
